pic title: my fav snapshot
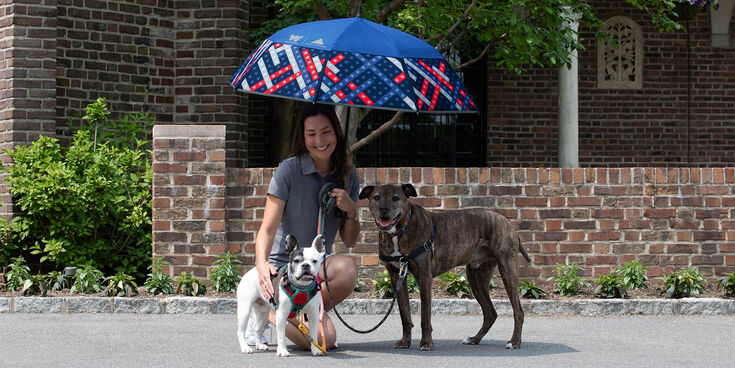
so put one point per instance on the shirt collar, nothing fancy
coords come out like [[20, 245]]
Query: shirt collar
[[307, 165]]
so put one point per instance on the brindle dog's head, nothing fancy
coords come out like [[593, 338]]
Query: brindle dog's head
[[388, 203]]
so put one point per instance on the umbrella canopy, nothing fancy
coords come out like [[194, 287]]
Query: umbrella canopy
[[353, 61]]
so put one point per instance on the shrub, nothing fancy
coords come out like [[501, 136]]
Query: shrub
[[530, 290], [384, 288], [17, 274], [87, 280], [728, 283], [566, 281], [633, 275], [225, 276], [87, 204], [684, 283], [121, 285], [610, 286], [190, 285], [456, 284], [360, 285], [37, 284], [158, 282], [57, 281]]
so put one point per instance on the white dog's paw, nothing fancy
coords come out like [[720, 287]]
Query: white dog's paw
[[316, 351], [260, 346], [282, 352], [246, 349]]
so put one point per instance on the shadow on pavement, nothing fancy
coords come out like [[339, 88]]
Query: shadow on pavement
[[489, 348]]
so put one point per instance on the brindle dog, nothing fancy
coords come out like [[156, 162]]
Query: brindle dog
[[478, 238]]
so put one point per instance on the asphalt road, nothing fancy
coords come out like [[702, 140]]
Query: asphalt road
[[110, 340]]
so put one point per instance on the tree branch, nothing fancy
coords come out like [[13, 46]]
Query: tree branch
[[352, 8], [321, 11], [455, 25], [478, 58], [385, 12], [370, 137]]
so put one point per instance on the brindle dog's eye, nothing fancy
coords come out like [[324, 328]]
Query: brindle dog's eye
[[376, 197], [396, 198]]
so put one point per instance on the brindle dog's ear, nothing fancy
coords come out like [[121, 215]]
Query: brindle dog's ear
[[409, 190], [366, 192], [291, 243]]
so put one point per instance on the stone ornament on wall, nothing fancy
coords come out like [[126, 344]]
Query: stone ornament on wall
[[620, 67]]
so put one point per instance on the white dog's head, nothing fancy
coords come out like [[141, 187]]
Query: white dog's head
[[304, 263]]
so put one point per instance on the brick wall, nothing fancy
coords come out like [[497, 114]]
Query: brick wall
[[27, 73], [623, 128], [597, 217], [189, 196]]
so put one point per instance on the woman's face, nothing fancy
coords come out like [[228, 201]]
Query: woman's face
[[320, 138]]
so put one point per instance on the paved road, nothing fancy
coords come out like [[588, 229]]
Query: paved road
[[110, 340]]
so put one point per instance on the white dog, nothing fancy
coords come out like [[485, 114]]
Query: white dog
[[297, 289]]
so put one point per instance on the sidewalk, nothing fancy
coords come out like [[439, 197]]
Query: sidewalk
[[199, 305]]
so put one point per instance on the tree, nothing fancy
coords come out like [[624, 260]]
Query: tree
[[517, 33]]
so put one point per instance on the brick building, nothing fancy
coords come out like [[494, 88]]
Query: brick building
[[173, 57]]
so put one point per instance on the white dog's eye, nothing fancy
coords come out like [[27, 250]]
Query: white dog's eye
[[313, 261]]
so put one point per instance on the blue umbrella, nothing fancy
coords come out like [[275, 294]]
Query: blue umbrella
[[354, 62]]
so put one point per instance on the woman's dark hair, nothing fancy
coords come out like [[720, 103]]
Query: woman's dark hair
[[340, 157]]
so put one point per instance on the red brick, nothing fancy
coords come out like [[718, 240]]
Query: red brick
[[659, 212]]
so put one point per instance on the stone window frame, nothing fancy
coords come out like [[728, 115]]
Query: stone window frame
[[602, 46]]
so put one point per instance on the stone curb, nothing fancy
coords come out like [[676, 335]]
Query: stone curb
[[199, 305]]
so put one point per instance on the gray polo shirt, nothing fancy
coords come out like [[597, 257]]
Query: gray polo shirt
[[297, 182]]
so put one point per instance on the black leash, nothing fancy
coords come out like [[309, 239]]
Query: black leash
[[326, 202]]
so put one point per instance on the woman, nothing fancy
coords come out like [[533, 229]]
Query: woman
[[318, 156]]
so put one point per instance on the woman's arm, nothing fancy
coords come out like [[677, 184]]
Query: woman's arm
[[264, 242]]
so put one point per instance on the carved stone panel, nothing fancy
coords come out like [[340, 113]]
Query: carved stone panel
[[620, 67]]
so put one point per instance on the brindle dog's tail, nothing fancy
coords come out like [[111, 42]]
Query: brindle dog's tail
[[523, 251]]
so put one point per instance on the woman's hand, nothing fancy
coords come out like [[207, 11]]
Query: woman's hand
[[344, 202], [265, 270]]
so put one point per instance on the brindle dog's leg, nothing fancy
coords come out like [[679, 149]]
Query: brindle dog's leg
[[425, 280], [509, 273], [479, 279], [403, 308]]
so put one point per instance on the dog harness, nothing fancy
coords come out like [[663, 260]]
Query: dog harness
[[403, 258], [299, 297]]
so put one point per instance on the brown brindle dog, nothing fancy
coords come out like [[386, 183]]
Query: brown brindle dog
[[478, 238]]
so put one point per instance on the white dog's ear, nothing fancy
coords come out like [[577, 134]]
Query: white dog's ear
[[318, 243], [291, 243]]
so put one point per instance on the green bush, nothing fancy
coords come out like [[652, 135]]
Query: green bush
[[456, 284], [728, 283], [121, 285], [684, 283], [57, 281], [17, 274], [633, 275], [87, 280], [157, 281], [226, 275], [190, 285], [528, 289], [37, 284], [566, 281], [87, 204], [384, 288], [610, 286]]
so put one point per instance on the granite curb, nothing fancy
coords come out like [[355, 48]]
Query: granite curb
[[200, 305]]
